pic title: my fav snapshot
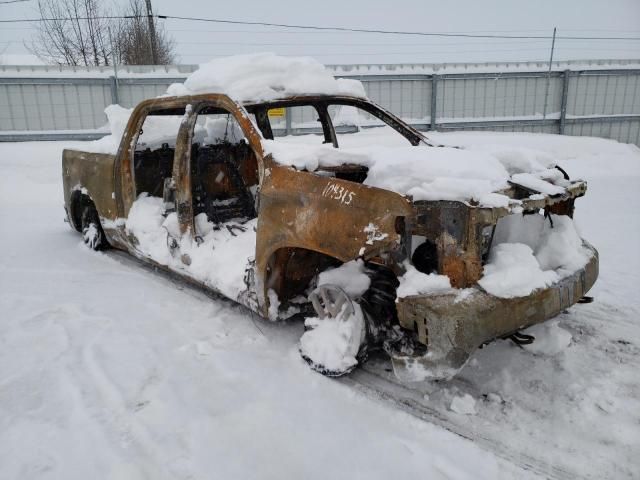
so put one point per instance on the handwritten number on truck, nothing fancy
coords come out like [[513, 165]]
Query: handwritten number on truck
[[339, 193]]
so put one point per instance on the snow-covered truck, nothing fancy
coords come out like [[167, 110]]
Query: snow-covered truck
[[379, 237]]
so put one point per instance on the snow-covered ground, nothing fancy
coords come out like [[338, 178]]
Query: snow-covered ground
[[108, 370]]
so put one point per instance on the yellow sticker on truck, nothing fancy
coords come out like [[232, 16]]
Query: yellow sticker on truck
[[276, 112]]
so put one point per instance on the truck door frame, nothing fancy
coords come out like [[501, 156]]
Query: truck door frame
[[182, 158], [125, 186], [125, 191]]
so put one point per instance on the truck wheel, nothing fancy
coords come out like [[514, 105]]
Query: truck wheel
[[335, 341], [92, 233]]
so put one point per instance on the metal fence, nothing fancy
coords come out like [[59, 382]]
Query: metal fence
[[597, 98]]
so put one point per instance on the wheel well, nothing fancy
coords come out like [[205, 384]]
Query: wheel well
[[290, 269], [77, 203]]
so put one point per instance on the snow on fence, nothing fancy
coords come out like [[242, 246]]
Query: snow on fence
[[596, 98]]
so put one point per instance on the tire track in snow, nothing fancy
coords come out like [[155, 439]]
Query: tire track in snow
[[379, 388], [104, 402], [371, 382]]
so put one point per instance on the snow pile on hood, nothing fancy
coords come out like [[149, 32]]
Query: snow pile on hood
[[426, 173], [472, 173], [517, 159], [265, 76]]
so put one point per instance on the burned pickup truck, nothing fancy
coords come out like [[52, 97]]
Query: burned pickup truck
[[380, 238]]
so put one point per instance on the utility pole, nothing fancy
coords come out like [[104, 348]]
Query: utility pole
[[114, 94], [152, 33], [546, 92]]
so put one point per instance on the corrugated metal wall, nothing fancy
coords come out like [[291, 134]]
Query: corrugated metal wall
[[601, 102]]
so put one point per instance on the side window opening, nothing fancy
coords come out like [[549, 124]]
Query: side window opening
[[297, 124], [355, 126], [224, 171], [154, 151]]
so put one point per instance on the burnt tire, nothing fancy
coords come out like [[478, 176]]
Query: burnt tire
[[332, 304], [92, 233]]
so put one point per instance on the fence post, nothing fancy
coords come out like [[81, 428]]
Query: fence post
[[434, 97], [287, 121], [563, 104], [114, 89]]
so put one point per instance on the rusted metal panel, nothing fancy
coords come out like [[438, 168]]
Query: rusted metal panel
[[453, 328], [308, 221], [91, 173], [338, 218]]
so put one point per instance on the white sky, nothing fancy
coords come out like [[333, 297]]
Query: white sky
[[196, 42]]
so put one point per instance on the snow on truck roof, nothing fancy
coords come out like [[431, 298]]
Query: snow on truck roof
[[258, 77], [265, 76], [425, 173]]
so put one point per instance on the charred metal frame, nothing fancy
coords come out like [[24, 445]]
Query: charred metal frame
[[308, 222], [321, 103]]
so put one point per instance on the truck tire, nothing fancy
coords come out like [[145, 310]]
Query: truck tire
[[346, 324], [92, 232]]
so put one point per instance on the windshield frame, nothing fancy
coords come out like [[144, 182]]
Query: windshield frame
[[321, 104]]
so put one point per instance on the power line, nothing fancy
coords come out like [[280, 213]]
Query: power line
[[288, 32], [324, 28], [387, 32], [13, 1], [430, 52], [351, 44], [277, 32]]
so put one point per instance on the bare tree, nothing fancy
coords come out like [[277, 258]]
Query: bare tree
[[138, 35], [77, 32], [72, 32]]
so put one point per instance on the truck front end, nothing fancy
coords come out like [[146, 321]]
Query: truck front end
[[508, 268]]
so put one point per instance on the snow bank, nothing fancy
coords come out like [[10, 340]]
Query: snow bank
[[556, 147], [265, 76]]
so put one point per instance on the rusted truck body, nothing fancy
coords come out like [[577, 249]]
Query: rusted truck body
[[308, 221]]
